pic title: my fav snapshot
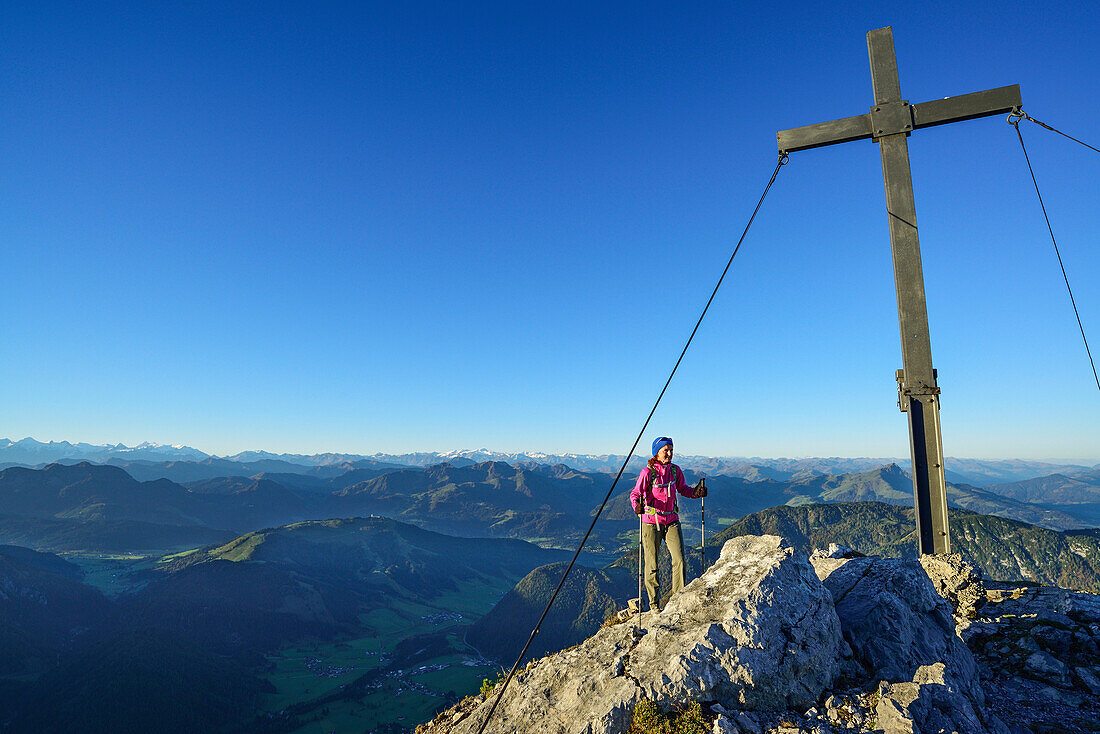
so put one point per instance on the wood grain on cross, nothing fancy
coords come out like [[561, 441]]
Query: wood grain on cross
[[889, 123]]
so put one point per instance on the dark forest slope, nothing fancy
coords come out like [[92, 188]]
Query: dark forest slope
[[586, 599], [1004, 549]]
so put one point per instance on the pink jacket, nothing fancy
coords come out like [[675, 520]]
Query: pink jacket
[[663, 496]]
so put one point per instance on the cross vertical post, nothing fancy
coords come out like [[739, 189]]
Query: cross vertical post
[[889, 123], [918, 394]]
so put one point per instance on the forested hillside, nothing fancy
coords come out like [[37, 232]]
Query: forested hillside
[[1004, 549], [584, 603], [211, 639]]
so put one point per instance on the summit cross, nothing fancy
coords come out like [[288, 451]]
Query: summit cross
[[890, 121]]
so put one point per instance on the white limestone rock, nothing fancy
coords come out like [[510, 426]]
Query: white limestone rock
[[756, 631], [930, 704], [902, 633], [957, 581], [894, 620]]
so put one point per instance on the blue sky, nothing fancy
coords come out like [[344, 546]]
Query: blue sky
[[407, 226]]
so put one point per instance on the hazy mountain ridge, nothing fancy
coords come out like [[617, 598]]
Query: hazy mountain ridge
[[89, 492], [1077, 494], [30, 451], [1054, 489], [104, 536], [93, 506], [89, 506], [977, 472], [891, 484], [984, 472]]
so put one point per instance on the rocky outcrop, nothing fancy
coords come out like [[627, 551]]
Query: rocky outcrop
[[714, 642], [902, 634], [1036, 649], [957, 581], [1038, 656], [718, 641], [770, 641]]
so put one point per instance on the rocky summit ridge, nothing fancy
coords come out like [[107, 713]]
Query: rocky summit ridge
[[771, 640]]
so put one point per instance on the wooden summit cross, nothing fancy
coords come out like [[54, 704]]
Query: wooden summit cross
[[889, 123]]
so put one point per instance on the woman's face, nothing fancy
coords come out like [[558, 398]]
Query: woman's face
[[665, 454]]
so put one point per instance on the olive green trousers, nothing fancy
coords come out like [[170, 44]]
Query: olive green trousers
[[652, 535]]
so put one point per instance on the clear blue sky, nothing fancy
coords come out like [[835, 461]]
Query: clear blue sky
[[395, 226]]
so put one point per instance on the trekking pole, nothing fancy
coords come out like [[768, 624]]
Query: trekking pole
[[638, 617], [703, 523]]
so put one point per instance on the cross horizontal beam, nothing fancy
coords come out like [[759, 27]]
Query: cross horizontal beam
[[925, 114]]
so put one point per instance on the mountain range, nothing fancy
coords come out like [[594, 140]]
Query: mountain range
[[31, 452], [977, 472], [239, 566], [102, 508]]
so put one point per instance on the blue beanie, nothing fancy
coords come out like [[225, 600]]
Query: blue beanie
[[658, 443]]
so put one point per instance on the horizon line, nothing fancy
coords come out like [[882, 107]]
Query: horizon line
[[535, 452]]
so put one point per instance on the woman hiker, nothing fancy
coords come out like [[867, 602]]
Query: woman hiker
[[654, 498]]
